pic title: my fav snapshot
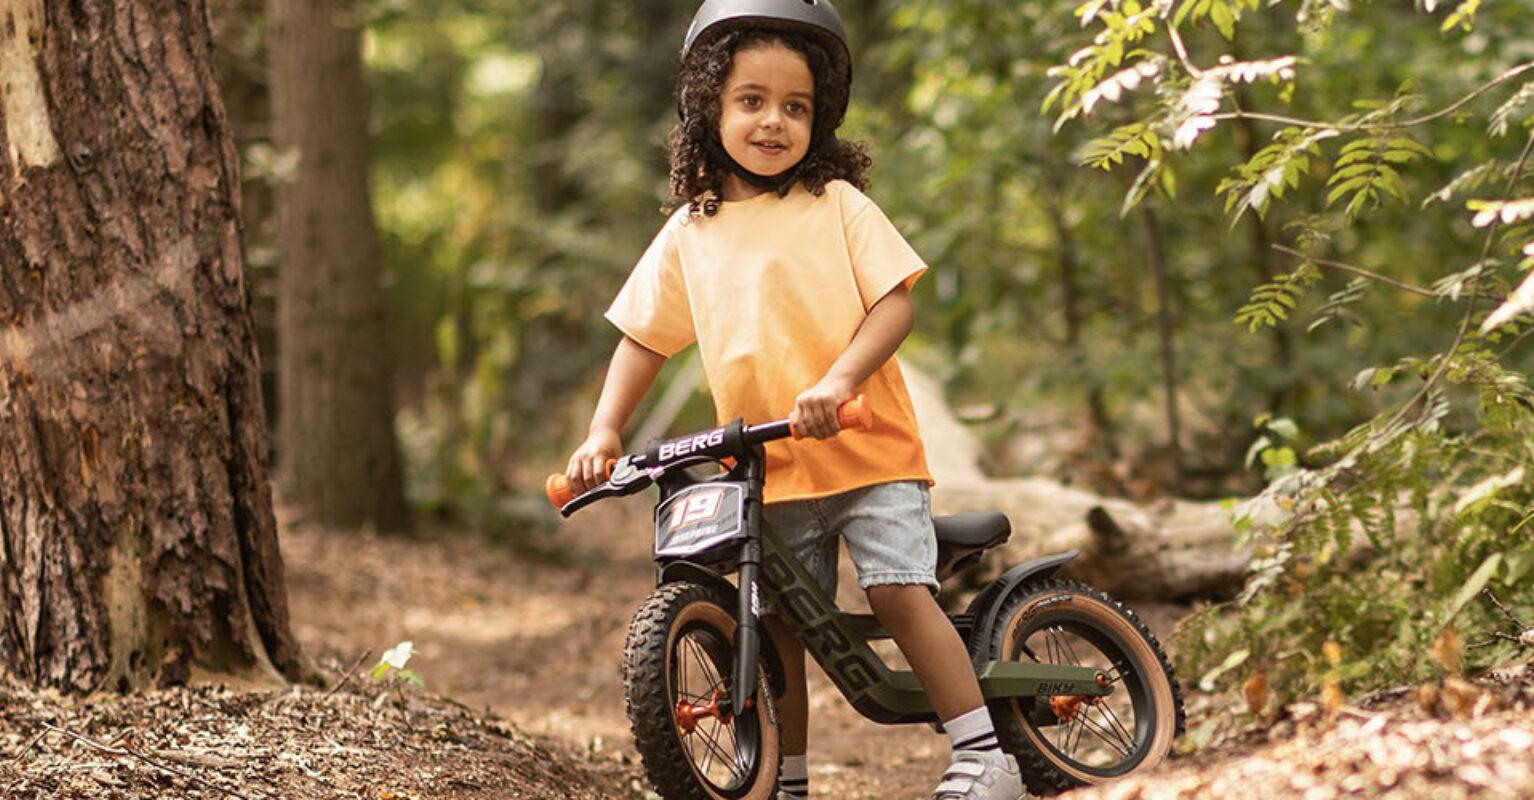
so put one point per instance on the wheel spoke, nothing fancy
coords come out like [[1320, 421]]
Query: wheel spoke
[[1108, 737], [1120, 726], [1067, 642]]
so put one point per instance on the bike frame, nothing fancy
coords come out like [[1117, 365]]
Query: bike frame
[[839, 642]]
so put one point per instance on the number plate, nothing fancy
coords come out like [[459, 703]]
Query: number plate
[[699, 518]]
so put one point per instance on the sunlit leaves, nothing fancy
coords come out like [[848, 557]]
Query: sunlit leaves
[[1364, 171], [1134, 139], [1462, 17], [1272, 170], [1119, 83], [1471, 180], [1272, 302], [1504, 211], [1194, 111], [1522, 102], [1111, 48], [1223, 13], [1338, 305], [1521, 301]]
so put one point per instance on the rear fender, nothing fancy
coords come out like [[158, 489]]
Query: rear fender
[[987, 605], [729, 595]]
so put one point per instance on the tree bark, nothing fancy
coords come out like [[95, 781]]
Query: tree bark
[[1156, 255], [137, 541], [337, 454]]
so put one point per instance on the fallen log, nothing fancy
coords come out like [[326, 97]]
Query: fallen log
[[1167, 550]]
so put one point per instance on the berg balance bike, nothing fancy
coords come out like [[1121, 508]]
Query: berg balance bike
[[1079, 689]]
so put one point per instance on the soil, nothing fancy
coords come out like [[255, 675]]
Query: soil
[[518, 645]]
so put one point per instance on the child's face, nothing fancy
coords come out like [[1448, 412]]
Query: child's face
[[768, 108]]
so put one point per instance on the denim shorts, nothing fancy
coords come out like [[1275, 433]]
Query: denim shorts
[[887, 527]]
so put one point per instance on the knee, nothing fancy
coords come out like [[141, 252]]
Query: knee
[[896, 597]]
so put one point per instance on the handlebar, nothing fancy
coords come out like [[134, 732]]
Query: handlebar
[[852, 414]]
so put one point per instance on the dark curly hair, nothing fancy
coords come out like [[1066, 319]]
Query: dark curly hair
[[697, 176]]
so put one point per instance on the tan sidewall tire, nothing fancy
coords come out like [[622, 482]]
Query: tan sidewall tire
[[766, 713], [1147, 658]]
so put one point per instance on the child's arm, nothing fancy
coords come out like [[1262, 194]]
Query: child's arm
[[629, 376], [877, 339]]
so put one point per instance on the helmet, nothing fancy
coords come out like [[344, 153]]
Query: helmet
[[815, 18]]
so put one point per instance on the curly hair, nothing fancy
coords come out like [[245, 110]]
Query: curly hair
[[697, 176]]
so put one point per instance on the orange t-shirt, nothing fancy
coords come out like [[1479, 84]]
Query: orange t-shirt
[[773, 289]]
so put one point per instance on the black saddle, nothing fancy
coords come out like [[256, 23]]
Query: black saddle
[[962, 538]]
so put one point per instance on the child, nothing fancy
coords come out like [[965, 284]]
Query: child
[[795, 287]]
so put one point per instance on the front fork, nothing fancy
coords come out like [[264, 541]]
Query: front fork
[[748, 634]]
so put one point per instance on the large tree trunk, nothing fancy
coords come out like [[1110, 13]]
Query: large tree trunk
[[337, 454], [137, 542]]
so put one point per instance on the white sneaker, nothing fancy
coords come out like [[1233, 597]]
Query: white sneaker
[[980, 776]]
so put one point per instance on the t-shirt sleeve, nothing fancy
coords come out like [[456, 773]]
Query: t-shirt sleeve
[[652, 307], [881, 258]]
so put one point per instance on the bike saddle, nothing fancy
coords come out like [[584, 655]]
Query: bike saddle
[[974, 529], [962, 538]]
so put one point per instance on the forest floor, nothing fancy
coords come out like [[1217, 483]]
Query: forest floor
[[519, 652]]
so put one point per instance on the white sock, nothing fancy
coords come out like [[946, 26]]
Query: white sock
[[973, 731], [794, 777]]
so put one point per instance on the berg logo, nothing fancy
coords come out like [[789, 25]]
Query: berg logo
[[681, 447]]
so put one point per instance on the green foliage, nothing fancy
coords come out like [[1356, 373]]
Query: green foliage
[[1378, 538], [1272, 302], [1363, 169]]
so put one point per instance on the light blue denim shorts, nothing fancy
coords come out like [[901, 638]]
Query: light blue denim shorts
[[887, 527]]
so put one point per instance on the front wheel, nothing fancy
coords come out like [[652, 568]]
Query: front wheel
[[1066, 741], [677, 675]]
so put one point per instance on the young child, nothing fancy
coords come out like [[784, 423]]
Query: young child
[[795, 287]]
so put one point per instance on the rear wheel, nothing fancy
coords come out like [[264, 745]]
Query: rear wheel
[[1071, 740], [677, 674]]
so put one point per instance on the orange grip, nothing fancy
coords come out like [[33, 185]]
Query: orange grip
[[557, 487], [853, 413]]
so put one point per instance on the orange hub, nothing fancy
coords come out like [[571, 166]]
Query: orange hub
[[688, 714]]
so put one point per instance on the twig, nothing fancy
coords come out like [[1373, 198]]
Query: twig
[[1506, 612], [351, 672], [1408, 123], [1385, 279], [128, 751], [23, 751]]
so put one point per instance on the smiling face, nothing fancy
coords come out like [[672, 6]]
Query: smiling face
[[767, 113]]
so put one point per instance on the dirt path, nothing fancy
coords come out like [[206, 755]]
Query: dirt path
[[539, 642]]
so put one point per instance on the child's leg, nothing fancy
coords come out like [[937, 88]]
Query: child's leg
[[929, 641]]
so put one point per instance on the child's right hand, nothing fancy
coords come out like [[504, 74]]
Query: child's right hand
[[588, 465]]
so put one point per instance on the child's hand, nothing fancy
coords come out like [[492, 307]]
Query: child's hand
[[588, 466], [815, 408]]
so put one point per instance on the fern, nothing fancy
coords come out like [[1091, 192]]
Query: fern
[[1471, 180], [1364, 170], [1272, 302], [1337, 305], [1502, 117], [1272, 170], [1135, 139]]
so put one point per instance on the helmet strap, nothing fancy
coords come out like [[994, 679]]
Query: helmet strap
[[780, 183]]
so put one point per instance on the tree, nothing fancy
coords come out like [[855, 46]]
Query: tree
[[338, 456], [137, 540]]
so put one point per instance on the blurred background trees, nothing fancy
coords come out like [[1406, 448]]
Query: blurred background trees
[[1107, 306]]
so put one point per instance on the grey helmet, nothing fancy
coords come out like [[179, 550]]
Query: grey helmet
[[815, 18]]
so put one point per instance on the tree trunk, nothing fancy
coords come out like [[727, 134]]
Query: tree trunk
[[137, 541], [1156, 255], [337, 454]]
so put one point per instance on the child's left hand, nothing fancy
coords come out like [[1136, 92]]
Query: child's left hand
[[814, 411]]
